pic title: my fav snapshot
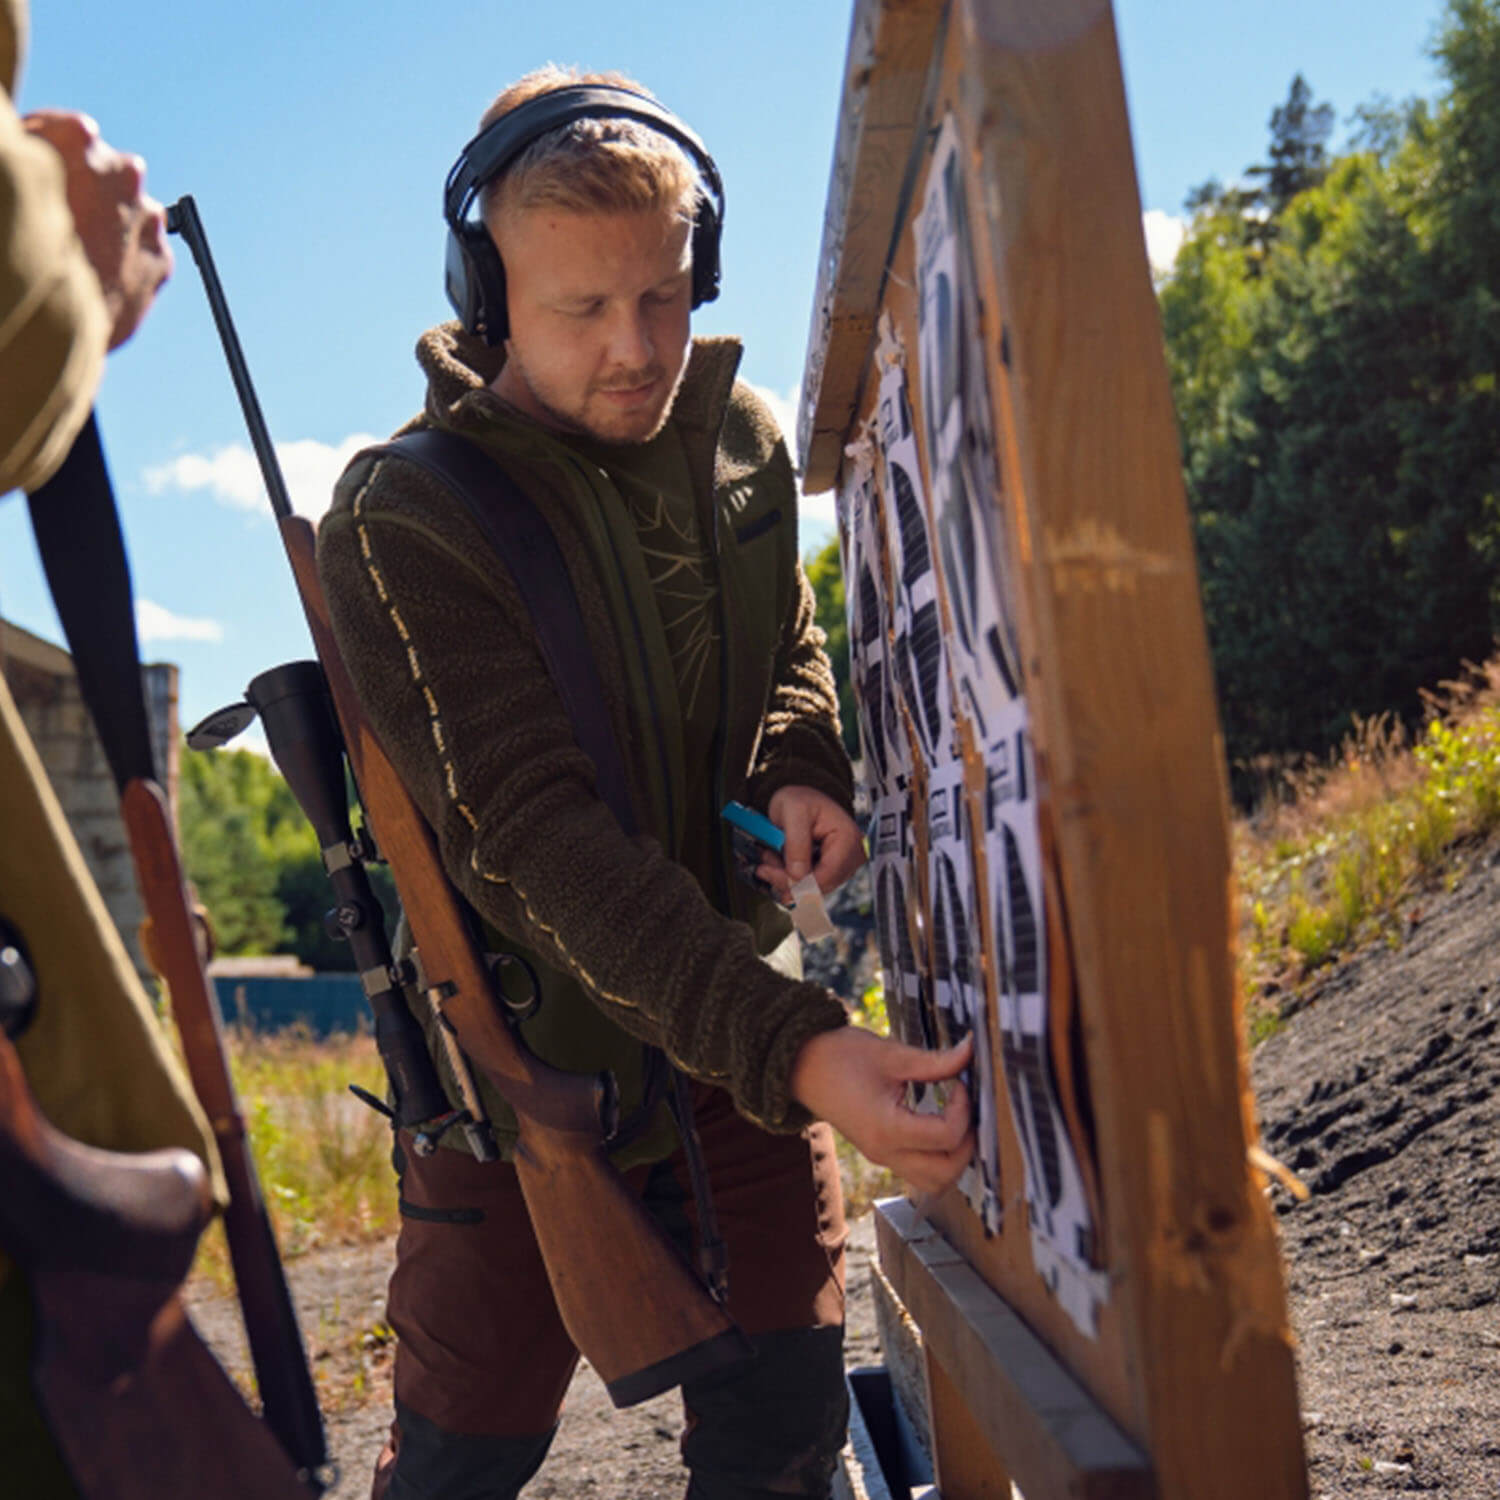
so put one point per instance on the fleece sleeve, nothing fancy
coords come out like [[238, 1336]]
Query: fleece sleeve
[[449, 672]]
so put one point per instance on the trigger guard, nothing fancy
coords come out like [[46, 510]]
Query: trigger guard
[[517, 1010]]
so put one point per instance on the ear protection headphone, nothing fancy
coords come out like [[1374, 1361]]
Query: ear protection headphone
[[475, 276]]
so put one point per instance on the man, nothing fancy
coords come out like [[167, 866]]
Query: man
[[673, 501], [82, 255]]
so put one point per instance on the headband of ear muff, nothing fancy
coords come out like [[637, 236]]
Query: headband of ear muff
[[475, 276]]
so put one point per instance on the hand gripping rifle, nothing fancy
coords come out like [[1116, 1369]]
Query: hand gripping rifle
[[628, 1301]]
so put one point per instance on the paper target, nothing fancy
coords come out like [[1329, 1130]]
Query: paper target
[[961, 448]]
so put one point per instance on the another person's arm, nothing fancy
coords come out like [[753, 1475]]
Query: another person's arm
[[82, 254]]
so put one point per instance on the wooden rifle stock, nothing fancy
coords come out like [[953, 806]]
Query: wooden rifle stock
[[629, 1303], [139, 1408], [286, 1388]]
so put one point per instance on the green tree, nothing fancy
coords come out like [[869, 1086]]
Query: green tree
[[1336, 389], [254, 860], [825, 573], [1299, 155], [1251, 214], [228, 803]]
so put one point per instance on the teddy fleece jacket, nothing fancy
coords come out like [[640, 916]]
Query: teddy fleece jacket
[[448, 667]]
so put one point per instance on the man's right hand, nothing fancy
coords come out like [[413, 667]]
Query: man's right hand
[[857, 1082], [124, 233]]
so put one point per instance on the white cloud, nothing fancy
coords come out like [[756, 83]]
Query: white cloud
[[154, 623], [1164, 236], [232, 477]]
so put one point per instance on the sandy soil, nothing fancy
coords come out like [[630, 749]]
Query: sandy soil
[[1380, 1091]]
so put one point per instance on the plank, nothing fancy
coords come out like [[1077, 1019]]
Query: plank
[[1018, 1398], [1191, 1356], [1126, 719], [886, 84]]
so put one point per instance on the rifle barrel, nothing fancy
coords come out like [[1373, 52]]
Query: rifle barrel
[[183, 219]]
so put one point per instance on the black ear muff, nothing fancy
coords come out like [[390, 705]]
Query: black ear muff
[[475, 281], [474, 274]]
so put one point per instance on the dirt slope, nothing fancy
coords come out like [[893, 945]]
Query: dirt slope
[[1381, 1092]]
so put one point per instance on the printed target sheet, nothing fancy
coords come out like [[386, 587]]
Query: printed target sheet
[[935, 659], [989, 692]]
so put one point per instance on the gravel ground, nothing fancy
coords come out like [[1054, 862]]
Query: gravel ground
[[599, 1452], [1381, 1093]]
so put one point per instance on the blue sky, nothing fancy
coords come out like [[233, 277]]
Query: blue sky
[[315, 139]]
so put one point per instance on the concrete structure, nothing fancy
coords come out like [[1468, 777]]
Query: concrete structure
[[45, 688]]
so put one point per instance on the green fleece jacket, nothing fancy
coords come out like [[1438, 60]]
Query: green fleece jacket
[[447, 664]]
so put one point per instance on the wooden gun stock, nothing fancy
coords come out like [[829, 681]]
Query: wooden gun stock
[[608, 1260], [138, 1406], [275, 1339]]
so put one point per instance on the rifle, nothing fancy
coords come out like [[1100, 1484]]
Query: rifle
[[77, 530], [139, 1408], [608, 1261]]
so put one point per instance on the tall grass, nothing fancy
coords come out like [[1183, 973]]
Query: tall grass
[[323, 1158], [1338, 857]]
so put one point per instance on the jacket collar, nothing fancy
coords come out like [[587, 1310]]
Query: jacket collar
[[460, 367]]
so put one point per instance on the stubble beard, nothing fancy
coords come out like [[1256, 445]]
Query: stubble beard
[[627, 432]]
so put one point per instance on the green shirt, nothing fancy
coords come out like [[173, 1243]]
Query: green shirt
[[654, 481]]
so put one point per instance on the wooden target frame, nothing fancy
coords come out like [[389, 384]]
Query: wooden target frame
[[985, 143]]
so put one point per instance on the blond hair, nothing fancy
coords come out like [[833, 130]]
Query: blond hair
[[604, 165]]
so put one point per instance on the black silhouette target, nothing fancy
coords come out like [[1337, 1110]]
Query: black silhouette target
[[1025, 1072], [1024, 959]]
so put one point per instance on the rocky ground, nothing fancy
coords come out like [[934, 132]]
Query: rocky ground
[[1380, 1091]]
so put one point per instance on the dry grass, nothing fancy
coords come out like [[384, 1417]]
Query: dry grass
[[1334, 858], [323, 1157]]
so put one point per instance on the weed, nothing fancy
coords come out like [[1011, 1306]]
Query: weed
[[322, 1157], [1328, 861]]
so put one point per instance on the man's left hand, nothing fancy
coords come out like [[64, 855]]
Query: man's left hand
[[820, 837]]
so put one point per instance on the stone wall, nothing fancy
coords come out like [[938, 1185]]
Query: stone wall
[[42, 682]]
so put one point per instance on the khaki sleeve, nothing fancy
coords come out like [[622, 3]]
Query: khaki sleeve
[[54, 327], [96, 1056]]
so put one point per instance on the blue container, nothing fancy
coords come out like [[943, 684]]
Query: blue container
[[324, 1003]]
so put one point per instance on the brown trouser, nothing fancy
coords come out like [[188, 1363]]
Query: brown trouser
[[483, 1360]]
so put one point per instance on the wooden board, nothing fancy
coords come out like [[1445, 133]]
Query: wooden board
[[996, 1388], [1191, 1354]]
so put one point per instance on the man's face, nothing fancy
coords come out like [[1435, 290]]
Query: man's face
[[599, 306]]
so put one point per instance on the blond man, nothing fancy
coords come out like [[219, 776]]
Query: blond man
[[672, 499]]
